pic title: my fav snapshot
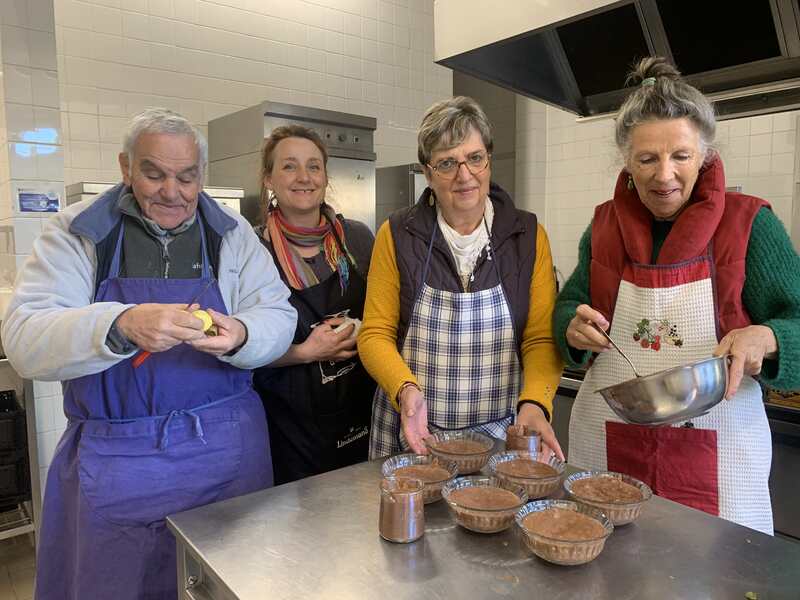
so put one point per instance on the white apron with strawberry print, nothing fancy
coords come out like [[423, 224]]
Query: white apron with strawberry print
[[665, 317]]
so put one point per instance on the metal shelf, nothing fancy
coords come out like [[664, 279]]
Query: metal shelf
[[22, 525]]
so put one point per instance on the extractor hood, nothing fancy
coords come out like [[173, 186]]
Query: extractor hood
[[575, 54]]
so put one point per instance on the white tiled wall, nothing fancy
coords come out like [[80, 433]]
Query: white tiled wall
[[582, 165], [50, 423], [206, 59], [32, 158], [531, 154], [499, 105], [759, 155], [31, 154]]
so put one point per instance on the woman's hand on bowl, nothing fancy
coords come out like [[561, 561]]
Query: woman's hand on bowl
[[581, 333], [414, 418], [533, 417], [748, 348]]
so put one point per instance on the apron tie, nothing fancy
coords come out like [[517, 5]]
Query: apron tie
[[196, 424]]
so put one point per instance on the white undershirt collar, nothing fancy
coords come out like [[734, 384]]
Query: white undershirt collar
[[467, 248]]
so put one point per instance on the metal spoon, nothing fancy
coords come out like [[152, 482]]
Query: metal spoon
[[618, 349]]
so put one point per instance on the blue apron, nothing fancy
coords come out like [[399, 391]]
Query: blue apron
[[182, 430]]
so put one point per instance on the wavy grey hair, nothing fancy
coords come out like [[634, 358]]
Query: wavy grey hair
[[663, 95], [163, 120], [447, 123]]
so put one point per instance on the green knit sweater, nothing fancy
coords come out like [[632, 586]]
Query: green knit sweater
[[771, 295]]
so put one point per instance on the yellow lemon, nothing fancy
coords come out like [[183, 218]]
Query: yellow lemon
[[205, 318]]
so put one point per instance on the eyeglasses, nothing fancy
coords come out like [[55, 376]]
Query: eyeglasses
[[448, 167]]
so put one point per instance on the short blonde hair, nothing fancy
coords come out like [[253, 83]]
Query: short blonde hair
[[447, 123]]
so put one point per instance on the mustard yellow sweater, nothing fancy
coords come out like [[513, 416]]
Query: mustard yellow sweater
[[377, 340]]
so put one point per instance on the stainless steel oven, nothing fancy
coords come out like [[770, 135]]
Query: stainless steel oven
[[571, 380], [234, 155], [397, 187]]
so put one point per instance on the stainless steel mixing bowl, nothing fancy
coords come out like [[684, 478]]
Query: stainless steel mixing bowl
[[670, 396]]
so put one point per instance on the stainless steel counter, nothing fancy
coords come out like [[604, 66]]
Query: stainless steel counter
[[318, 538]]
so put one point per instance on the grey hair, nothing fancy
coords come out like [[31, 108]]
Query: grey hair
[[447, 123], [163, 120], [661, 93]]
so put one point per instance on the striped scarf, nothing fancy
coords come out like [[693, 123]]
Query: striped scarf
[[298, 272]]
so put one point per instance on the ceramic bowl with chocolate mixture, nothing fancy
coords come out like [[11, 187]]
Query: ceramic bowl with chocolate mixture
[[468, 449], [619, 496], [431, 470], [563, 532], [483, 504], [538, 478]]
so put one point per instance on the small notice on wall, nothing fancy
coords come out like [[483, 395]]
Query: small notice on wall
[[33, 201]]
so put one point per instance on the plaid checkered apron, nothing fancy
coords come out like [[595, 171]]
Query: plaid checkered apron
[[461, 348]]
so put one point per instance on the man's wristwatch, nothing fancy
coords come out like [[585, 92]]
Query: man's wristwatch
[[117, 342]]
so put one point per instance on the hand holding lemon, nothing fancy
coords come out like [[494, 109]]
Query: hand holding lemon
[[208, 323], [222, 334]]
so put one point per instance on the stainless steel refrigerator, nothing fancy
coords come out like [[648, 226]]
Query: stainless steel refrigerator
[[397, 187], [235, 142]]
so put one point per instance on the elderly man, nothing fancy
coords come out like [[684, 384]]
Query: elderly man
[[110, 281]]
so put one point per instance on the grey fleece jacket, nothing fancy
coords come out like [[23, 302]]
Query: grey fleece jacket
[[53, 330]]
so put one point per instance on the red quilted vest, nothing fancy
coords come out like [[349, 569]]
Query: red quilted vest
[[715, 222]]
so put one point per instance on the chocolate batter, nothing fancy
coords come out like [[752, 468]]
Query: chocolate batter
[[525, 467], [485, 498], [522, 437], [606, 489], [460, 446], [563, 524], [429, 473]]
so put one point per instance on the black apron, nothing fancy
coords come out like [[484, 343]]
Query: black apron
[[316, 427]]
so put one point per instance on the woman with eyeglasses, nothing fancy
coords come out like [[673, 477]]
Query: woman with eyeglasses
[[318, 397], [461, 290]]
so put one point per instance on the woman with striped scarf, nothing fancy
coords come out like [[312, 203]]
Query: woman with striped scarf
[[318, 397]]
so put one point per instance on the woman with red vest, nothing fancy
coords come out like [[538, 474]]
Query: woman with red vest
[[676, 268]]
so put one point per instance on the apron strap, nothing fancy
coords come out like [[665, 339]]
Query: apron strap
[[489, 250], [113, 270], [425, 267], [489, 256], [204, 247], [193, 413], [196, 423]]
